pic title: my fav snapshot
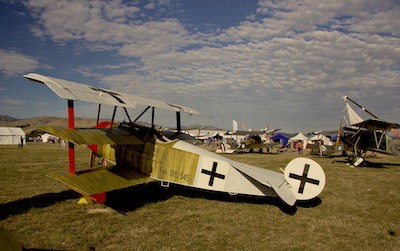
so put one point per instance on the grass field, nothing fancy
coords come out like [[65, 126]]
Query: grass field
[[358, 210]]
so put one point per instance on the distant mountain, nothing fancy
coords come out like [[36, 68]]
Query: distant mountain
[[32, 124], [6, 118], [198, 126]]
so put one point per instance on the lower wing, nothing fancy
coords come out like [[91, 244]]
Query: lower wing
[[96, 180]]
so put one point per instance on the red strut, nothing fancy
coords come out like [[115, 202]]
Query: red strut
[[71, 147]]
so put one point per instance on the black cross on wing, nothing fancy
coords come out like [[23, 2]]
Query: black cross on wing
[[213, 174]]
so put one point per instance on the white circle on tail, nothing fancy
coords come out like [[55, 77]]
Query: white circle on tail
[[306, 178]]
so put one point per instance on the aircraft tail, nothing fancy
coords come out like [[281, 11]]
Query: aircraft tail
[[303, 179], [270, 179], [234, 126], [306, 178]]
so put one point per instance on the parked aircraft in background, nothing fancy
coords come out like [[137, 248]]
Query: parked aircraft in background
[[237, 132], [323, 144], [204, 133], [141, 154], [249, 140], [365, 135]]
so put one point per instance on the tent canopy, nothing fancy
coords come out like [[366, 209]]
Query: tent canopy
[[300, 137], [11, 136], [326, 140], [279, 137], [47, 136]]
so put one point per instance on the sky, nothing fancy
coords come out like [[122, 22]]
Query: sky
[[282, 63]]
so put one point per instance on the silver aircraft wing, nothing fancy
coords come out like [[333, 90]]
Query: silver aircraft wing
[[76, 91]]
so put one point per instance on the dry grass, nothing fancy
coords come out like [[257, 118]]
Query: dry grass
[[358, 210]]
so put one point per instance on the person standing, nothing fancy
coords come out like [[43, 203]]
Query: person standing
[[21, 142], [299, 147]]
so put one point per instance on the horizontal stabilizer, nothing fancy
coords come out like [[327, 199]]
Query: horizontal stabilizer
[[94, 181], [270, 179], [100, 136]]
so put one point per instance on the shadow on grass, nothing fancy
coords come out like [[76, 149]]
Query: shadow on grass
[[368, 164], [310, 203], [379, 165], [40, 201], [129, 199]]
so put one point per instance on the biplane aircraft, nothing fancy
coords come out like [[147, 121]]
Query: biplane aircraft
[[142, 154], [237, 132], [249, 140], [365, 135], [322, 145]]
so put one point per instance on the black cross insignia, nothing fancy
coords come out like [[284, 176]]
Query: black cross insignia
[[303, 179], [213, 174], [112, 94]]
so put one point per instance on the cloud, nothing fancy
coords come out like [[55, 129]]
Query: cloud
[[272, 78], [12, 101], [12, 63], [286, 58], [89, 20], [108, 23], [380, 22], [304, 16]]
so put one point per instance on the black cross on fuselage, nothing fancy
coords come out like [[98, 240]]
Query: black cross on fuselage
[[303, 179], [213, 174], [112, 94]]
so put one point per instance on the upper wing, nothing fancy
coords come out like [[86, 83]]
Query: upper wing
[[376, 124], [75, 91], [100, 136]]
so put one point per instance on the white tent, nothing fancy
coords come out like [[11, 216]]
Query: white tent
[[300, 137], [47, 137], [11, 136], [326, 141]]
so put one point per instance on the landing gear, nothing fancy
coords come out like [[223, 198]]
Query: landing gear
[[357, 161]]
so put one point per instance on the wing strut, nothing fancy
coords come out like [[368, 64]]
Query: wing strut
[[71, 147], [140, 115], [152, 117], [127, 114], [93, 155], [178, 122], [98, 115], [113, 117]]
